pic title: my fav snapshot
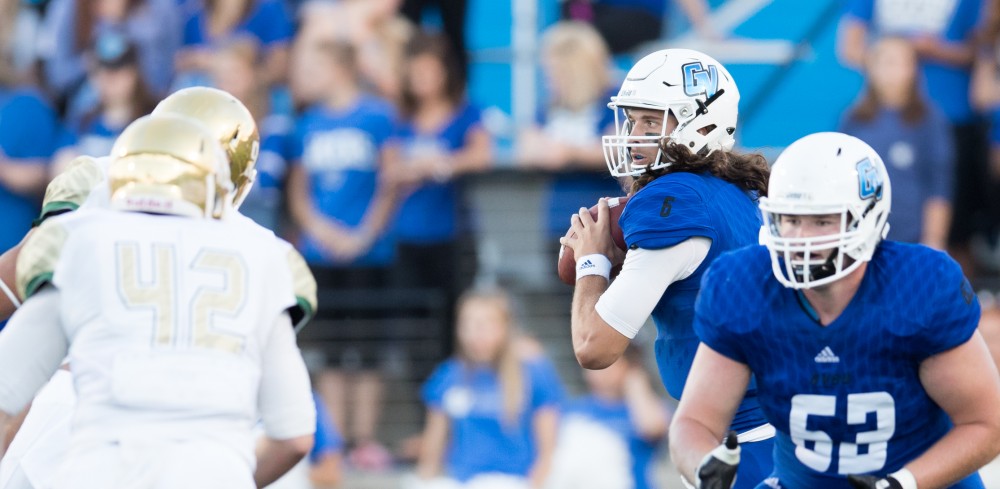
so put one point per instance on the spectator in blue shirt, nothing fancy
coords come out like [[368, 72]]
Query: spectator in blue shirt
[[153, 25], [338, 194], [942, 34], [28, 129], [567, 139], [441, 137], [268, 21], [986, 97], [608, 438], [122, 97], [234, 69], [895, 118], [340, 198], [28, 132], [492, 414]]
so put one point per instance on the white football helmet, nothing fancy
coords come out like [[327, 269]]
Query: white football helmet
[[826, 173], [691, 85]]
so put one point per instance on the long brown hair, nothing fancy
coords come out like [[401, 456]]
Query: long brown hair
[[914, 110], [748, 171], [439, 47], [508, 360], [143, 100]]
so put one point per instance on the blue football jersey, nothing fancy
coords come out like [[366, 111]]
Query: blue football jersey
[[845, 398], [667, 211]]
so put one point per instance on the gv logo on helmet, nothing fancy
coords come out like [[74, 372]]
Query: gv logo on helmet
[[869, 180], [700, 81]]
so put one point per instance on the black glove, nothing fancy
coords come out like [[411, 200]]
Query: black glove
[[872, 482], [718, 469]]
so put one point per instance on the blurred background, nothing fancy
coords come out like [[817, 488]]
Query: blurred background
[[425, 156]]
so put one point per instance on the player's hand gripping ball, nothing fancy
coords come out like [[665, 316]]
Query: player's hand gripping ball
[[567, 262]]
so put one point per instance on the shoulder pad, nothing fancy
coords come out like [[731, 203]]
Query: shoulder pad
[[37, 260], [69, 189], [664, 213]]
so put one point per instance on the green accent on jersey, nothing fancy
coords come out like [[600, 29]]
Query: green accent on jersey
[[37, 282], [37, 261], [304, 288], [303, 313], [52, 209]]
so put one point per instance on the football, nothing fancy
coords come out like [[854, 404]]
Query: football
[[567, 262]]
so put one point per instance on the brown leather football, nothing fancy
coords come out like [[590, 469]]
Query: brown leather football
[[567, 262]]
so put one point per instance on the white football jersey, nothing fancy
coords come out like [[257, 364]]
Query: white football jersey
[[84, 185], [168, 319], [43, 438]]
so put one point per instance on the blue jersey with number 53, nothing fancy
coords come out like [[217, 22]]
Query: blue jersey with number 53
[[845, 398]]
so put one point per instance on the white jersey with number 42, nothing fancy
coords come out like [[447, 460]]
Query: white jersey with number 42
[[175, 328]]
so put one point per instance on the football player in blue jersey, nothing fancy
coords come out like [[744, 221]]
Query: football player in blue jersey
[[692, 199], [865, 351]]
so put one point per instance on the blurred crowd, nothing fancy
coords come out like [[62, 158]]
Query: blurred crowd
[[366, 130]]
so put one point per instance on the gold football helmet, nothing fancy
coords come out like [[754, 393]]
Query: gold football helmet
[[230, 122], [169, 164]]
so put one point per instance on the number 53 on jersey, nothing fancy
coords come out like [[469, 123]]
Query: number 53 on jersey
[[816, 449]]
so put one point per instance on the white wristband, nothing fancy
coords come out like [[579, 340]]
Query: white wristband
[[596, 264], [905, 478]]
